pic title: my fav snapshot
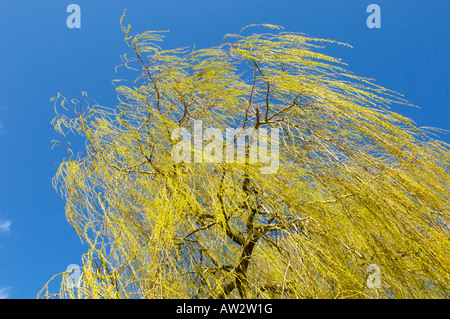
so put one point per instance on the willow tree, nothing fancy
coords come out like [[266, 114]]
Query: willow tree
[[358, 186]]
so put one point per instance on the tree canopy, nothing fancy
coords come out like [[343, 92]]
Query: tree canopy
[[357, 184]]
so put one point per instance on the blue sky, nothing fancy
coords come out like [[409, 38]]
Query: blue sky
[[40, 56]]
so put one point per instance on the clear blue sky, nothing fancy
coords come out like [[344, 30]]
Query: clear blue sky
[[40, 56]]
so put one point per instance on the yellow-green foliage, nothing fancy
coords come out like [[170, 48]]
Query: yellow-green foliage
[[357, 183]]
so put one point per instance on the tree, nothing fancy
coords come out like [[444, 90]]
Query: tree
[[358, 186]]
